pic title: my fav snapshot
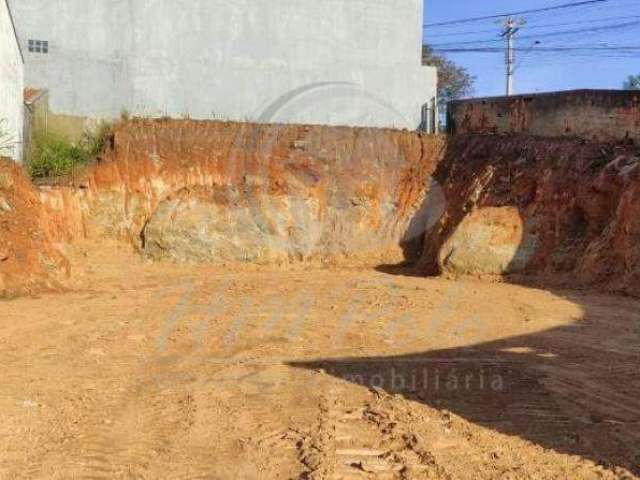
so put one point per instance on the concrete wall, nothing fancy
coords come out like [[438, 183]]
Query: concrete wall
[[11, 87], [601, 115], [338, 62]]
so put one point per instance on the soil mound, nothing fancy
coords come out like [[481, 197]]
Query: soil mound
[[30, 261]]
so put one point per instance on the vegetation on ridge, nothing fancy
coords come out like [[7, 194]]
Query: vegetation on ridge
[[54, 155]]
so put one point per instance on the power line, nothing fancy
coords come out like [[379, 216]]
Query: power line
[[522, 12], [547, 26], [587, 42], [540, 49], [629, 53], [600, 51], [602, 28], [582, 22]]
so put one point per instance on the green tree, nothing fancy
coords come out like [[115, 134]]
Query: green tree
[[632, 83], [454, 81]]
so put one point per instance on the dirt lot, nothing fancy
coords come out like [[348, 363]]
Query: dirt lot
[[163, 371]]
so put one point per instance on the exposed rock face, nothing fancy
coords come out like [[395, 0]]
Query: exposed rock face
[[564, 209], [490, 240], [29, 259], [264, 229], [230, 192], [218, 192]]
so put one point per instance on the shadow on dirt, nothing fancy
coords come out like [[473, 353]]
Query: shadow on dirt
[[573, 389]]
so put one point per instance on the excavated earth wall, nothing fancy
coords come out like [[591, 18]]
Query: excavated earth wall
[[30, 259], [232, 192], [563, 210], [560, 210]]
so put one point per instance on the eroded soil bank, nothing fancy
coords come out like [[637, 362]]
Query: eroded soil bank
[[215, 192], [230, 192], [561, 210], [30, 260]]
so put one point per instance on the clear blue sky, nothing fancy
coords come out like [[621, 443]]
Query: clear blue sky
[[594, 33]]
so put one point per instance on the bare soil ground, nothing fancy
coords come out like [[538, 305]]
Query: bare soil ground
[[161, 371]]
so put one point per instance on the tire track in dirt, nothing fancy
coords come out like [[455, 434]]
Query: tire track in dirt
[[597, 396], [360, 439], [129, 435], [91, 451], [164, 408], [162, 418]]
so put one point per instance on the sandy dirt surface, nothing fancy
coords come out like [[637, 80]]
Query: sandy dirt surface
[[156, 371]]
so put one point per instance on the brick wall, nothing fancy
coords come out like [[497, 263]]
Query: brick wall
[[601, 115]]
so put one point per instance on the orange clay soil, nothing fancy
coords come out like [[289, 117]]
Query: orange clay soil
[[152, 371], [29, 260], [134, 369]]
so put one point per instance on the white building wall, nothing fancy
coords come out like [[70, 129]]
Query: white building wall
[[340, 62], [11, 87]]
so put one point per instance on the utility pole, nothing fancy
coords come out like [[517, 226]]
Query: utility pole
[[511, 27]]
